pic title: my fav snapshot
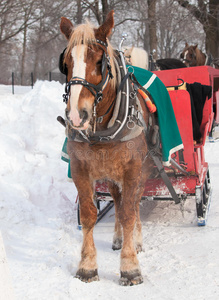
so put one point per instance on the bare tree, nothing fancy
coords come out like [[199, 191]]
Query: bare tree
[[45, 42], [27, 7], [30, 38], [152, 25], [12, 21], [207, 13], [175, 26]]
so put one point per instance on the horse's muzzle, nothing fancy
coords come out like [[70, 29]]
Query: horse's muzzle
[[78, 120]]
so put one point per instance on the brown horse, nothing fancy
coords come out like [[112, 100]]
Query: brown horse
[[104, 142], [192, 56]]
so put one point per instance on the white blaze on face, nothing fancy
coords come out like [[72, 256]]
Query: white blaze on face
[[79, 70], [186, 52]]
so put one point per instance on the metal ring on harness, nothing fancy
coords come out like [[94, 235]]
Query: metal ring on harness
[[132, 95], [129, 126], [130, 67]]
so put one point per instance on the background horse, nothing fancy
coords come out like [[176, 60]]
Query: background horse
[[137, 57], [192, 56], [99, 151]]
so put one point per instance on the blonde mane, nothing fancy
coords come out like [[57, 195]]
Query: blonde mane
[[137, 57], [84, 35]]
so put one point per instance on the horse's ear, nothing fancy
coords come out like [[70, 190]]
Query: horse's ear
[[66, 27], [195, 46], [186, 44], [106, 28]]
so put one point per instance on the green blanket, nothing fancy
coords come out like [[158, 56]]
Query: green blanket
[[169, 132]]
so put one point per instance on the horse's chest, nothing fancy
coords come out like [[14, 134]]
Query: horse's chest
[[101, 169], [104, 162]]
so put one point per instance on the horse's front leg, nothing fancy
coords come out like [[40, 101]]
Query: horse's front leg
[[130, 269], [87, 270]]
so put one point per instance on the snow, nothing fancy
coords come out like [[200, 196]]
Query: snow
[[38, 218], [6, 288]]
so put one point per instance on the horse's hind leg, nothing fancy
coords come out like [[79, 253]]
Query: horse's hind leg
[[117, 237], [138, 227]]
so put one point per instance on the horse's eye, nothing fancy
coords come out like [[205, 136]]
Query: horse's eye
[[99, 62]]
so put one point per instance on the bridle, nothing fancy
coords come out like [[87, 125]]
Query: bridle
[[190, 61], [96, 90]]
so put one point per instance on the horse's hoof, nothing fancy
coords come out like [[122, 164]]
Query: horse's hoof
[[117, 244], [131, 278], [139, 248], [87, 275]]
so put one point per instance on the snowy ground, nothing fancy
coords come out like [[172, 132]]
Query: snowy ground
[[39, 225]]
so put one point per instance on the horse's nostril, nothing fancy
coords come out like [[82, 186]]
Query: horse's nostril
[[83, 115]]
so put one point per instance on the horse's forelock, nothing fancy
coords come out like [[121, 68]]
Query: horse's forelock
[[84, 34]]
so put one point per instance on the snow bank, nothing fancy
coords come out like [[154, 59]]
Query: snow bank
[[6, 289], [39, 226]]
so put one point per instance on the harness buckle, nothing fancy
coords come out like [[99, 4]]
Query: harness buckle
[[100, 119], [65, 98], [99, 97]]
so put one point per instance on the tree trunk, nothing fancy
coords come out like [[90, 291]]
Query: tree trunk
[[152, 25], [79, 12], [23, 54], [105, 9], [37, 47], [212, 29]]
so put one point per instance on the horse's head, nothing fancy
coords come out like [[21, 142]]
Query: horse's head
[[88, 64], [189, 55]]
